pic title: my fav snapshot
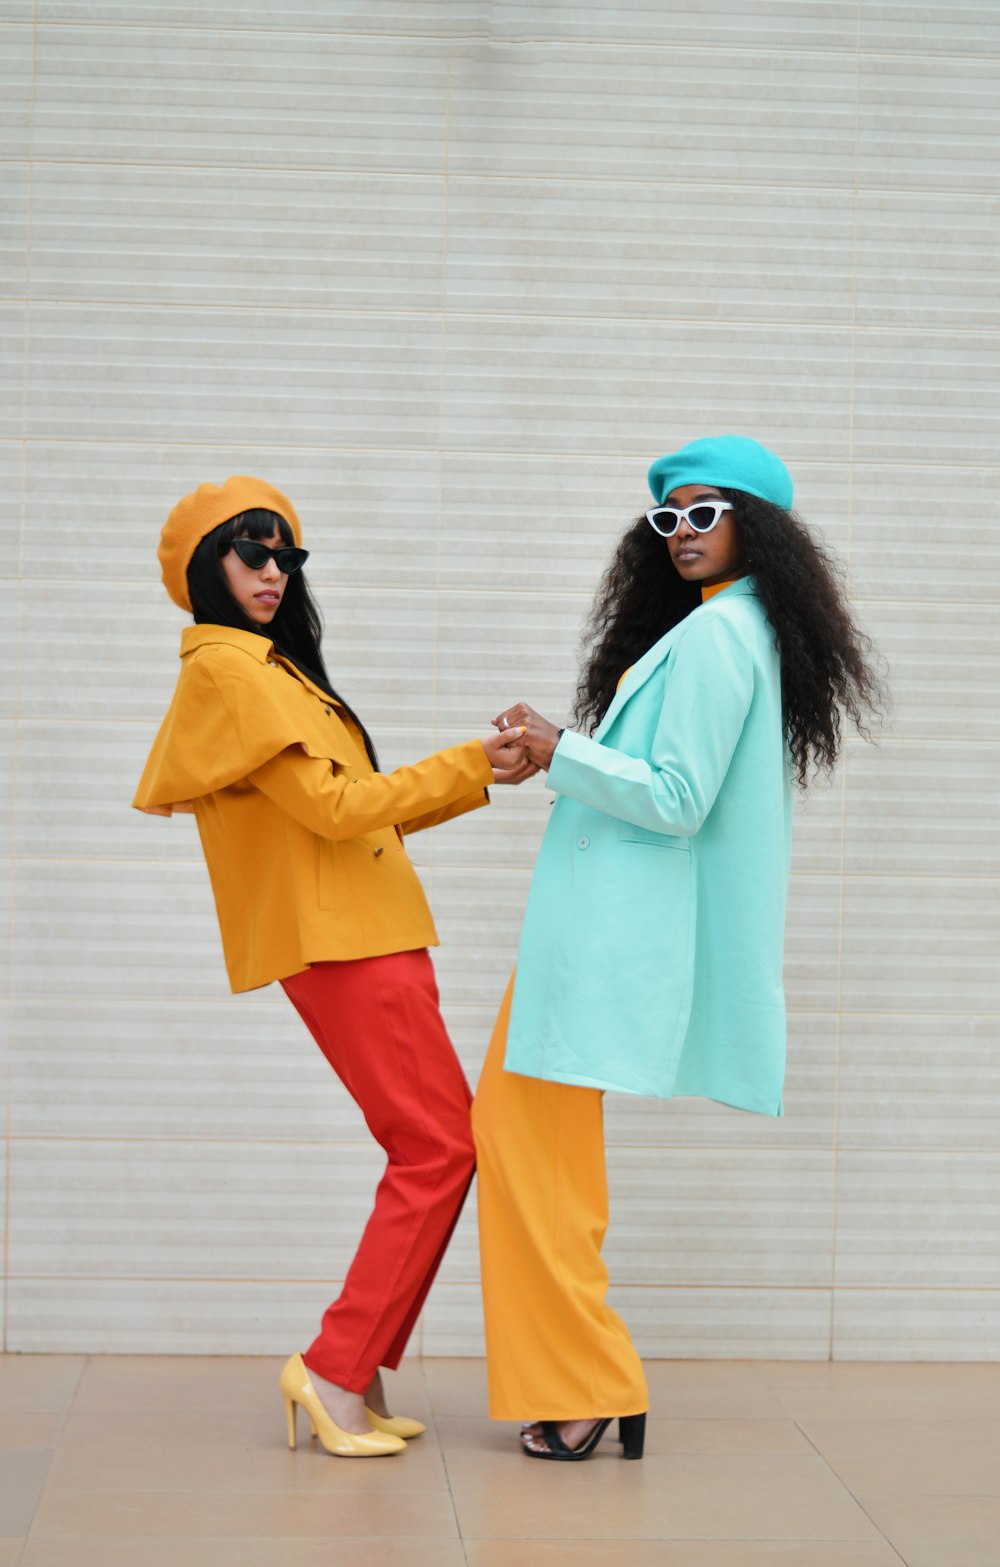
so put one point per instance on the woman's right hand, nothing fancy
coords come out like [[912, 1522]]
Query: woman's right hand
[[508, 758]]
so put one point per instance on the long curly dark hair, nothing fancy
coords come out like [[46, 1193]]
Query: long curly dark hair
[[828, 667]]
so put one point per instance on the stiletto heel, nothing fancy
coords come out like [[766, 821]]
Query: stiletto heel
[[632, 1432], [297, 1391]]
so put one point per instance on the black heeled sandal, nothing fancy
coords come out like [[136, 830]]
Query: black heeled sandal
[[629, 1437], [631, 1433]]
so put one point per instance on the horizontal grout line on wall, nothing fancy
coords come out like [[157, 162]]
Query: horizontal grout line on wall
[[520, 868], [402, 731], [848, 189], [334, 1145], [226, 998], [444, 593], [619, 1286], [473, 1282], [438, 43], [468, 453], [846, 329], [752, 1289]]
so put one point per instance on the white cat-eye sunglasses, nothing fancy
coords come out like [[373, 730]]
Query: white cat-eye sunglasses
[[702, 516]]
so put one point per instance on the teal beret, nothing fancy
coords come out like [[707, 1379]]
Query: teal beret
[[726, 462]]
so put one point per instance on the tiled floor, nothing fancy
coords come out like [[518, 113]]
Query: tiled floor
[[166, 1462]]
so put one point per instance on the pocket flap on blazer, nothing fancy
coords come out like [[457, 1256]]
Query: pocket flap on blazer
[[658, 840]]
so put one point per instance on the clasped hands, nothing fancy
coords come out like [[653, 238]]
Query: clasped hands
[[523, 746]]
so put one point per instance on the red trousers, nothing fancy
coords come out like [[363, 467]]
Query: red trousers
[[378, 1022]]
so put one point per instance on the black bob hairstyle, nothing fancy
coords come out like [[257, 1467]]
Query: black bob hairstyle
[[828, 669], [297, 627]]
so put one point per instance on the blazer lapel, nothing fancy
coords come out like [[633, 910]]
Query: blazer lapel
[[654, 657], [636, 679]]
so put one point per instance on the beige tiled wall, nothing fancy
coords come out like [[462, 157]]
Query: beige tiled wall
[[452, 273]]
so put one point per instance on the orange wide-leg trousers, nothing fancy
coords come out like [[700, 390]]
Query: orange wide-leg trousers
[[554, 1348], [378, 1023]]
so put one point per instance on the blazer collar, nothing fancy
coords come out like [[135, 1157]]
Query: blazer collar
[[260, 648], [653, 657]]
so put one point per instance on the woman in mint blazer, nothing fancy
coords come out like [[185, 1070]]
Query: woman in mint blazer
[[650, 961]]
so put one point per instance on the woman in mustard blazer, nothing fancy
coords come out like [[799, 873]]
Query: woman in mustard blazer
[[303, 838], [651, 953]]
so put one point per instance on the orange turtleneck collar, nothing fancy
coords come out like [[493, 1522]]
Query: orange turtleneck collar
[[709, 593], [706, 594]]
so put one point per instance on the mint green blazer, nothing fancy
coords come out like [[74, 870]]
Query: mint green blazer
[[651, 953]]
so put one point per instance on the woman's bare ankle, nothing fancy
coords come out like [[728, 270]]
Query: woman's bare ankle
[[375, 1397], [346, 1409]]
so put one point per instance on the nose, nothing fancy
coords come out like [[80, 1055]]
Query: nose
[[685, 530], [269, 571]]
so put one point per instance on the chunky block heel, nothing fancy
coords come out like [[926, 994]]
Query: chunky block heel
[[632, 1434]]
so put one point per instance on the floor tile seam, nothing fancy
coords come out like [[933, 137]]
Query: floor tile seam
[[746, 1538], [449, 1481], [921, 1420], [90, 1487], [68, 1408], [841, 1482]]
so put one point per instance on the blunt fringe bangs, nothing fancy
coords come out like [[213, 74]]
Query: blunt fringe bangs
[[297, 627]]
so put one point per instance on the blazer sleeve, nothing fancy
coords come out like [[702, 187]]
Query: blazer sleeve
[[468, 802], [334, 805], [707, 695]]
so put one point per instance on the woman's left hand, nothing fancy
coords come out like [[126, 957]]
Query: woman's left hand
[[540, 737]]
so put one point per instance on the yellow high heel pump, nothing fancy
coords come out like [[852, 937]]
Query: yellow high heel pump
[[297, 1390], [396, 1425]]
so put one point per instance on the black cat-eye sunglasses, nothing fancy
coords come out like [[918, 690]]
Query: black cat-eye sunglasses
[[288, 559]]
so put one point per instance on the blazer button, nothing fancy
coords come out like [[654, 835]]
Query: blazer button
[[379, 850], [583, 843], [328, 709]]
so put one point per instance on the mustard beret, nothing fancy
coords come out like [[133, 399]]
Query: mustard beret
[[206, 508]]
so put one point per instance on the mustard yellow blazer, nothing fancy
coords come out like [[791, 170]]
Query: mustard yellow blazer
[[302, 838]]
